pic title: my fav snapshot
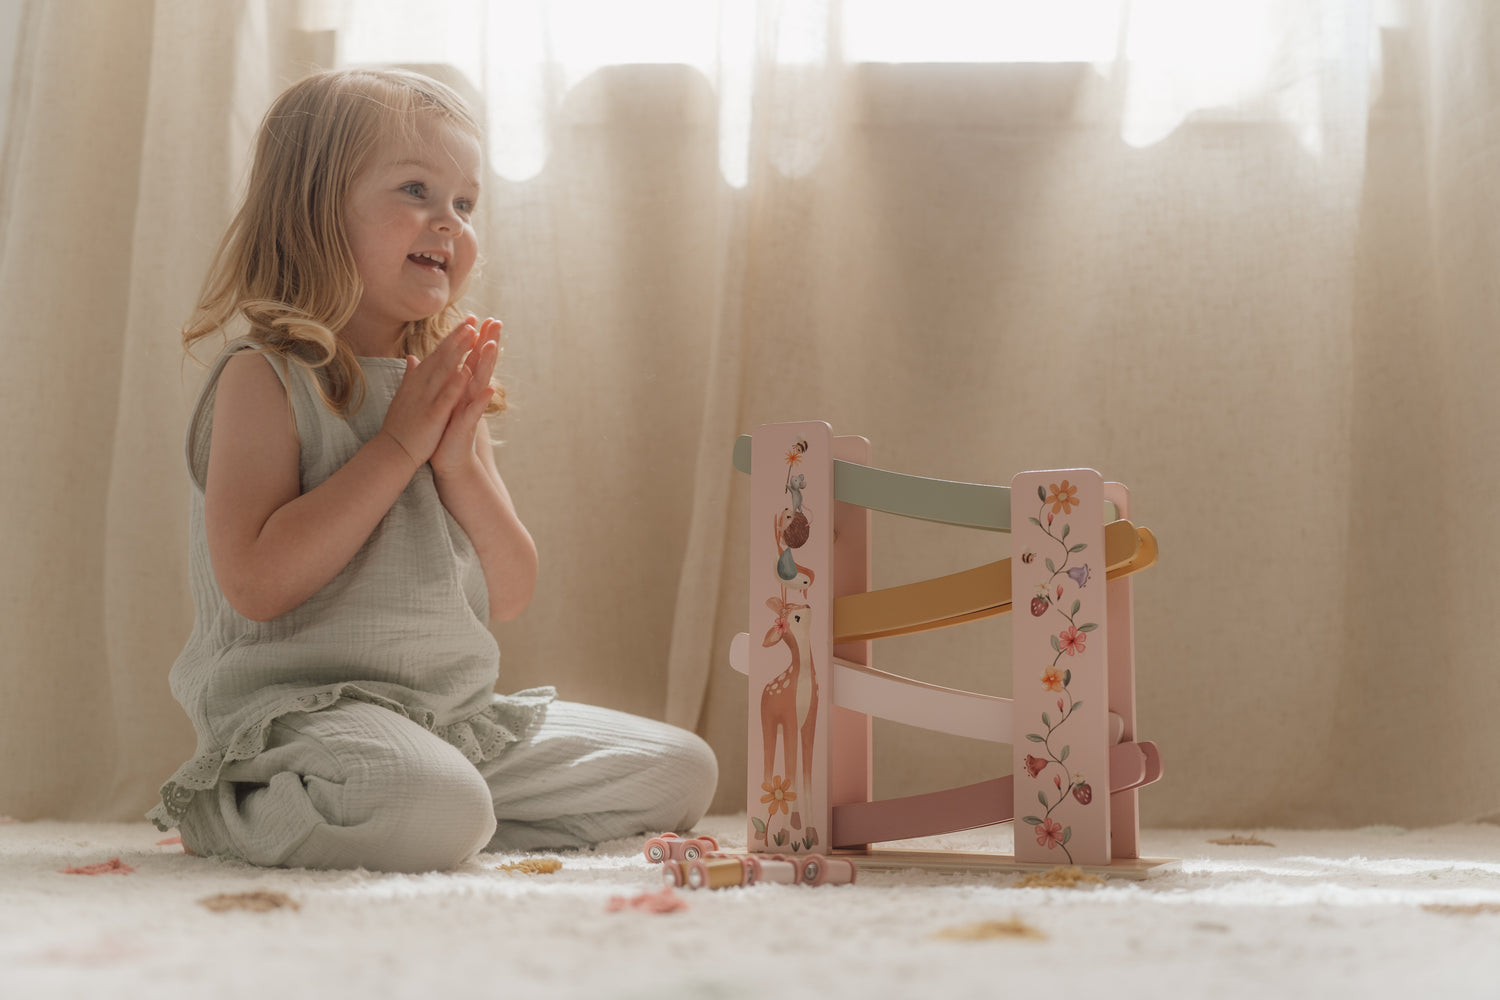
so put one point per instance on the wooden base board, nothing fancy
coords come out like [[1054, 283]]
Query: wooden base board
[[887, 859]]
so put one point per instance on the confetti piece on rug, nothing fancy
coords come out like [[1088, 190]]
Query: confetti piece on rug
[[663, 901], [1062, 877], [6, 820], [1462, 909], [1235, 840], [169, 841], [114, 866], [990, 930], [258, 901], [532, 866], [101, 952]]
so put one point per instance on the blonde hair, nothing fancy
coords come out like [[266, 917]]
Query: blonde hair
[[285, 264]]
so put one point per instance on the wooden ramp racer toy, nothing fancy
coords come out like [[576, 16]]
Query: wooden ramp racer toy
[[1076, 764]]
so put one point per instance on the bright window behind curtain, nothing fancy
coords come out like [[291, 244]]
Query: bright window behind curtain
[[1170, 58]]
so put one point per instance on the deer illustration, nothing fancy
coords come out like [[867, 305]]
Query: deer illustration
[[789, 706]]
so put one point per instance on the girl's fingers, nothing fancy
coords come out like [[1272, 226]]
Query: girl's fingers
[[485, 357]]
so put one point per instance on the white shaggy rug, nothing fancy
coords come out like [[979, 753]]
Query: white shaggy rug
[[1377, 912]]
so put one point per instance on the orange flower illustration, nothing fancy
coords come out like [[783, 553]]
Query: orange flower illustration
[[1052, 679], [1063, 498], [777, 795], [1072, 641], [793, 457]]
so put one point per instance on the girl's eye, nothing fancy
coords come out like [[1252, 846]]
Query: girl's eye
[[464, 206], [416, 189]]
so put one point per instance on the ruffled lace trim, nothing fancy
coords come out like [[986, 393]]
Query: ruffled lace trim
[[479, 737]]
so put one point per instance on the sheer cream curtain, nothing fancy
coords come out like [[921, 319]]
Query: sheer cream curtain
[[1245, 265]]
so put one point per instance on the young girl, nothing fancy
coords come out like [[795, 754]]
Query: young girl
[[352, 536]]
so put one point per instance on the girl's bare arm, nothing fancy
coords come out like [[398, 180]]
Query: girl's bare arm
[[477, 498], [272, 546]]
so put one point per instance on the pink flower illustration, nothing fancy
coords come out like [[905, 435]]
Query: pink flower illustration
[[1072, 640], [1049, 833], [1034, 765]]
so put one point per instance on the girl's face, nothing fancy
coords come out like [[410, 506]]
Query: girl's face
[[408, 223]]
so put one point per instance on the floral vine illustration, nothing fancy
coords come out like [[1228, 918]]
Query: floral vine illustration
[[1070, 641]]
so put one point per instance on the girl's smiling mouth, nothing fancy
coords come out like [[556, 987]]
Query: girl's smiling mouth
[[431, 260]]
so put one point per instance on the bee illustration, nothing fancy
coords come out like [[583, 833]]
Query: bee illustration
[[1028, 556]]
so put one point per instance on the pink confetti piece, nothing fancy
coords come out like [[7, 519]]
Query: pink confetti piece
[[169, 841], [105, 951], [114, 866], [664, 900]]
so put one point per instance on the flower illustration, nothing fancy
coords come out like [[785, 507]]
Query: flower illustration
[[794, 456], [1072, 641], [1034, 765], [1052, 679], [1063, 498], [1080, 575], [777, 795], [1049, 833]]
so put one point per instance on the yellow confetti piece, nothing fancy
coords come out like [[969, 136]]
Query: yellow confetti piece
[[1062, 877], [1235, 840], [531, 866], [990, 930], [256, 902], [1462, 909]]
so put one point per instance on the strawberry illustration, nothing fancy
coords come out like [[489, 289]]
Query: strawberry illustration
[[1083, 793], [1039, 605]]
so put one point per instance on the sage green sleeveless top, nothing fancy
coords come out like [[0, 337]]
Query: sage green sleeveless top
[[402, 626]]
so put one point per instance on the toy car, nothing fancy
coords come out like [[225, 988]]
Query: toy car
[[670, 846], [726, 871]]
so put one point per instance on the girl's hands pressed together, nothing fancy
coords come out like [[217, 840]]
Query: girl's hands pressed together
[[420, 411], [455, 450]]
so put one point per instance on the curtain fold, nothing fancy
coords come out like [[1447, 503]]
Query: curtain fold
[[1250, 274]]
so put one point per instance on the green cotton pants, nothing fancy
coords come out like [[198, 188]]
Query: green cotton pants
[[359, 786]]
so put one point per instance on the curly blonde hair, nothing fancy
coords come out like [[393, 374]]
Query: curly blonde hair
[[284, 264]]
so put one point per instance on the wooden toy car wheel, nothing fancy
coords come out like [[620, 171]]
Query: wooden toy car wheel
[[658, 849], [812, 870], [672, 874]]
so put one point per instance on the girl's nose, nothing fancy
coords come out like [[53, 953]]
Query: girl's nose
[[447, 220]]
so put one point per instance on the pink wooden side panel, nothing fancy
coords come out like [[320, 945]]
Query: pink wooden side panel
[[791, 636], [955, 809], [1124, 813], [1060, 638], [851, 749]]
